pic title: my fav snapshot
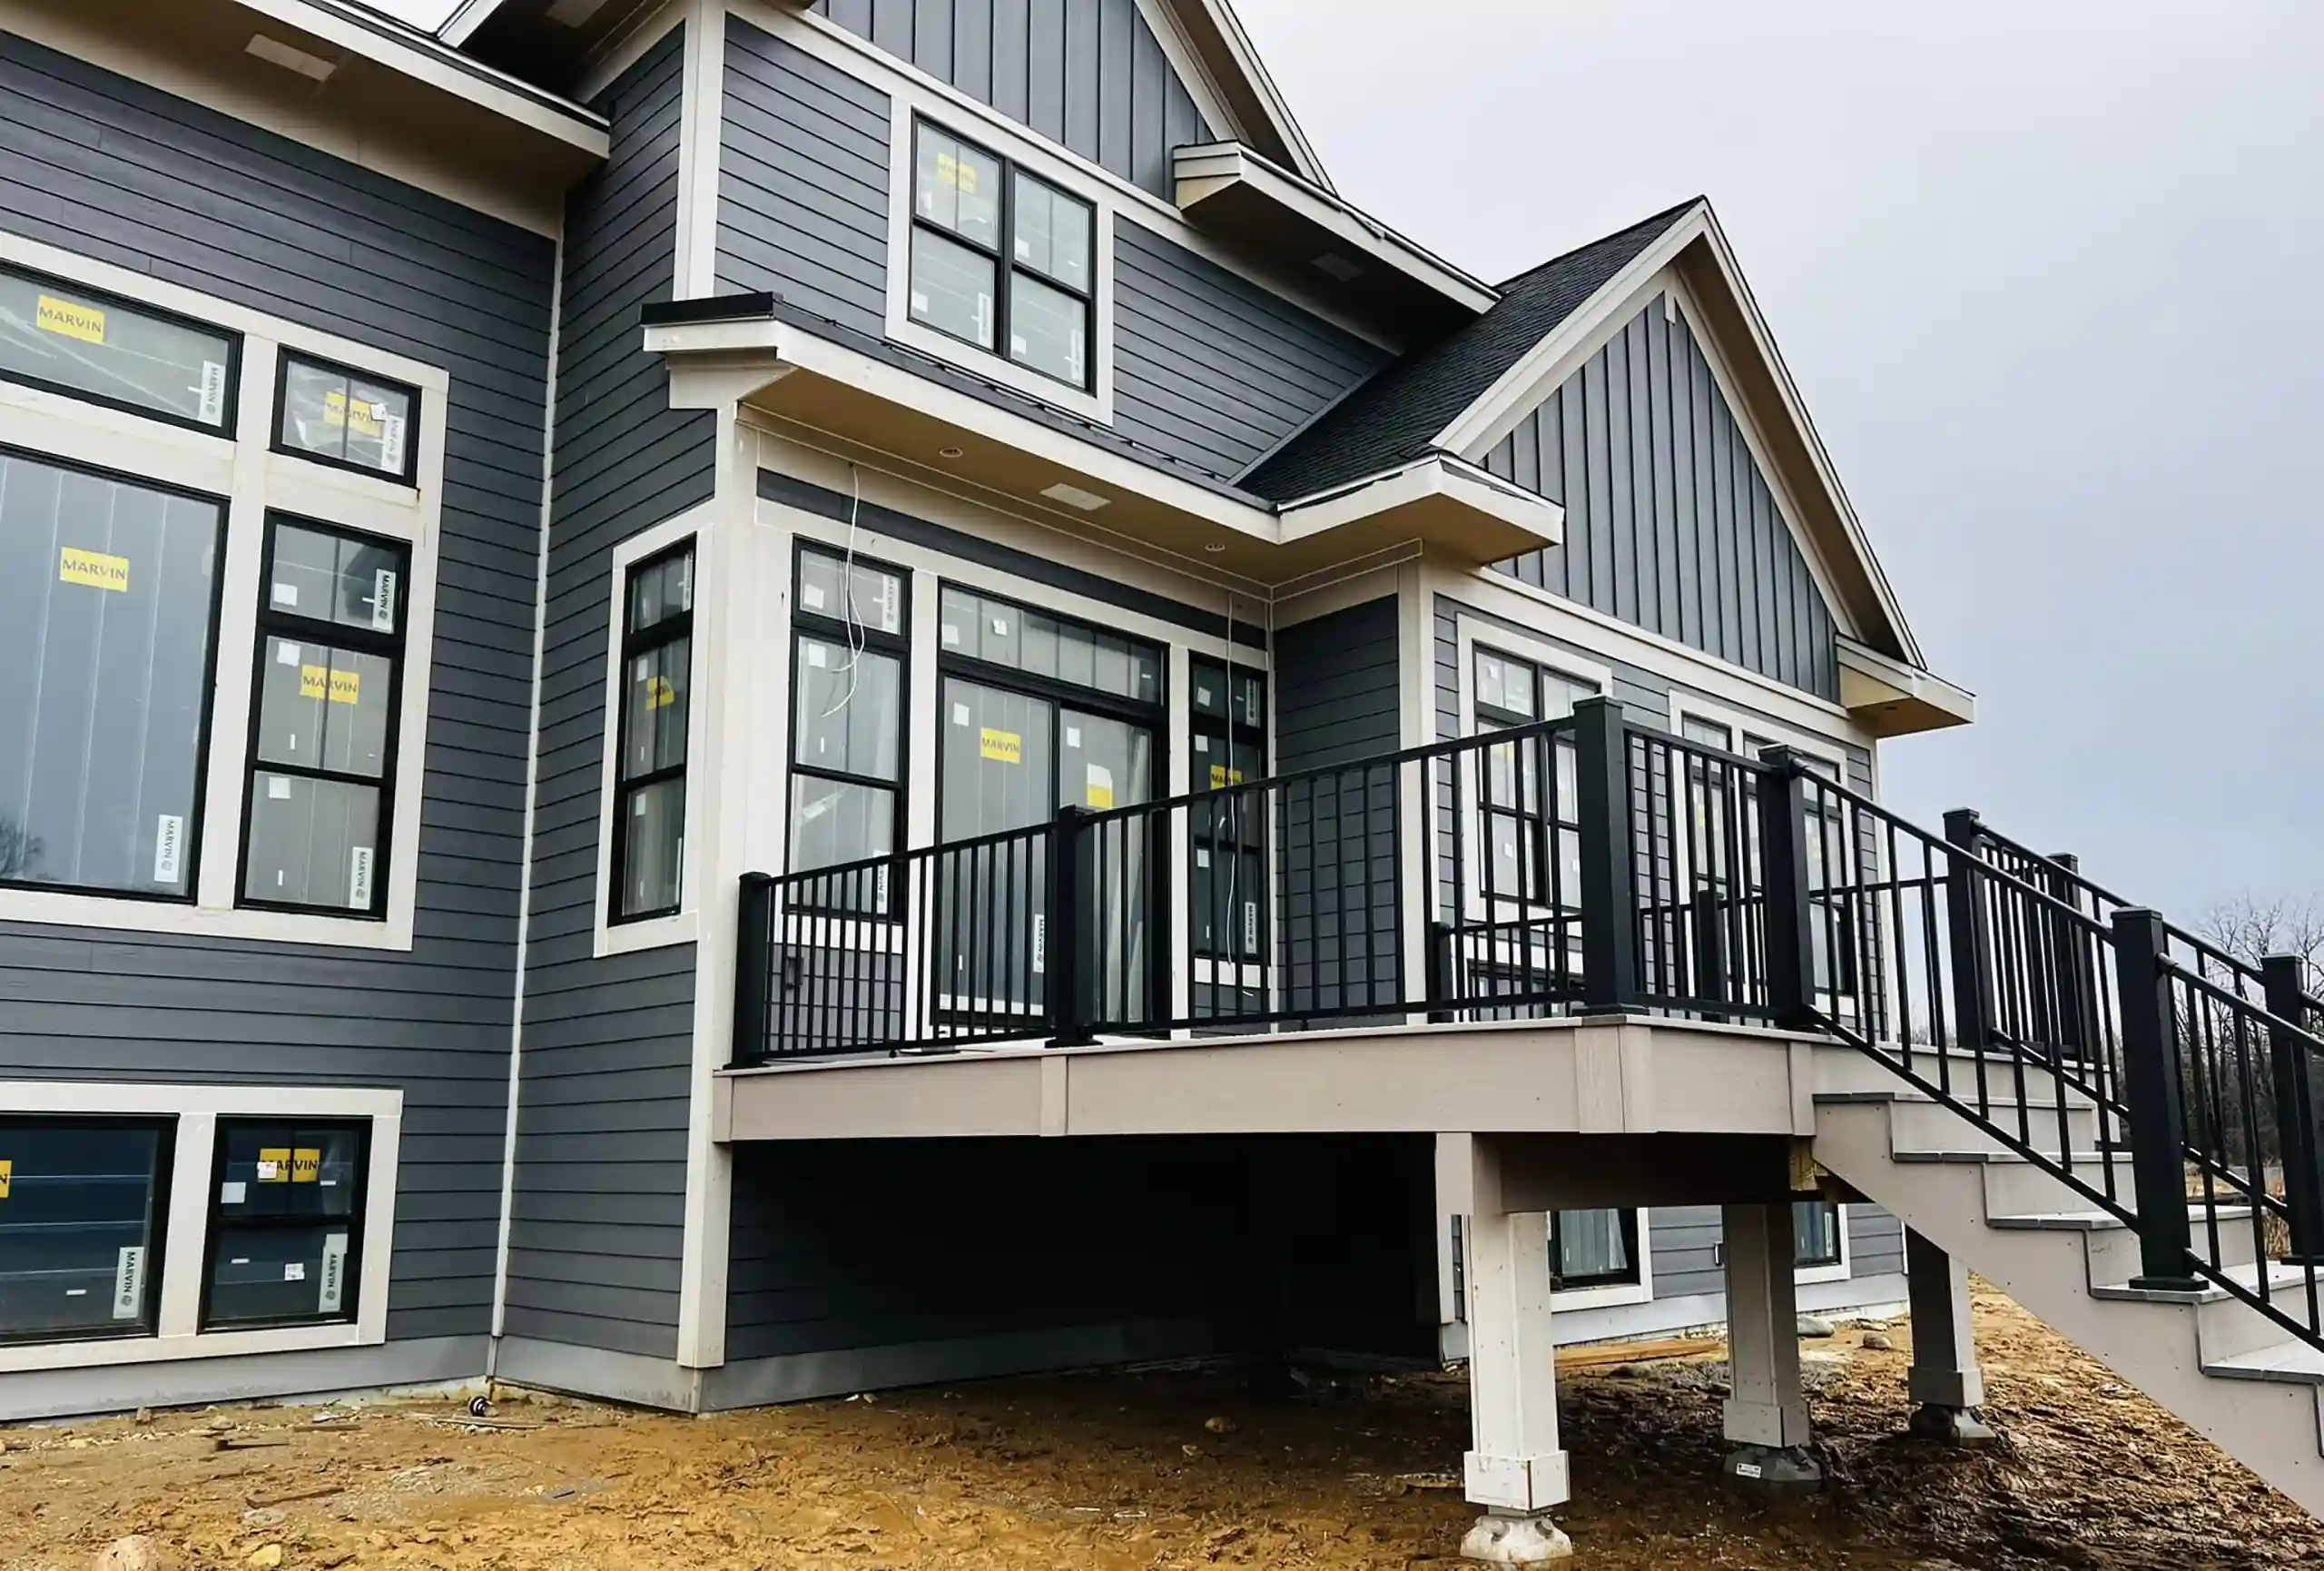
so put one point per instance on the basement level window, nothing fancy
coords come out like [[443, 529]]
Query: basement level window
[[1001, 260], [82, 1202], [285, 1223]]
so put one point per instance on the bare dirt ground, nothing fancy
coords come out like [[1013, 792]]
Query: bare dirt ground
[[1158, 1470]]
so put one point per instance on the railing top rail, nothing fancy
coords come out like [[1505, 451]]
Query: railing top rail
[[2019, 848], [2002, 876], [1711, 752], [2299, 1035]]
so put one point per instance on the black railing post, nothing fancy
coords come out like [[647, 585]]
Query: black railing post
[[2151, 1086], [754, 967], [1783, 878], [1966, 934], [1062, 947], [1709, 923], [1608, 903], [2299, 1137]]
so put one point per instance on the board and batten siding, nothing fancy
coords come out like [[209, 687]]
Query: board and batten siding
[[601, 1136], [803, 181], [1087, 74], [1669, 525], [97, 164], [1211, 369]]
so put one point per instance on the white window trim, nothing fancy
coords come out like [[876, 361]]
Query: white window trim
[[1613, 1294], [177, 1332], [994, 366], [1806, 1275], [253, 480], [1470, 634], [682, 926], [1688, 706]]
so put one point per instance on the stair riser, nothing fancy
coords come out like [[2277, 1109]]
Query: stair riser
[[1840, 1071], [2231, 1329], [2020, 1188], [2114, 1256], [1933, 1126]]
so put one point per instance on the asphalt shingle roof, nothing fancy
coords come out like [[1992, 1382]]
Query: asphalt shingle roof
[[1395, 417]]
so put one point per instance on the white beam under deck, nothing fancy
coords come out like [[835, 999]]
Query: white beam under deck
[[1613, 1075]]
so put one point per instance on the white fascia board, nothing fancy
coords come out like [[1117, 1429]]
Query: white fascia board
[[461, 24], [1909, 681], [422, 59], [1417, 481], [1202, 171], [740, 355]]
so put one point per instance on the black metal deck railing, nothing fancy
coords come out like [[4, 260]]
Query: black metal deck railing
[[1590, 863]]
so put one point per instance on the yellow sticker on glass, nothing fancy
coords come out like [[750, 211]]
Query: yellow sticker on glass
[[306, 1164], [322, 682], [1001, 747], [1220, 776], [71, 320], [93, 568], [8, 1171], [1100, 788], [956, 173], [660, 694], [360, 416], [274, 1165]]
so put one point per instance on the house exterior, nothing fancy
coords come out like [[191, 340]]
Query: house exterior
[[631, 611]]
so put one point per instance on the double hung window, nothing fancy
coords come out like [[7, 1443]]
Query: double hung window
[[649, 829], [285, 1223], [82, 1203], [848, 674], [1001, 259], [1229, 741], [324, 723], [1528, 789], [108, 605]]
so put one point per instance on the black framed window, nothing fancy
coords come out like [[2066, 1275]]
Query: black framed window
[[108, 621], [325, 707], [1594, 1248], [1001, 259], [849, 649], [109, 350], [1815, 1234], [1532, 828], [286, 1222], [1228, 739], [339, 415], [1040, 713], [83, 1207], [650, 757]]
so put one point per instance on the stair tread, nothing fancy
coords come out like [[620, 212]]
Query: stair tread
[[1908, 1093], [2292, 1360], [2092, 1221], [2282, 1279]]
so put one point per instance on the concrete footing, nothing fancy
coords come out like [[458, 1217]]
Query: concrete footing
[[1509, 1539], [1950, 1426], [1793, 1467]]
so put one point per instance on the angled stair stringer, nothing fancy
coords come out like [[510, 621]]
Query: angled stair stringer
[[2225, 1370]]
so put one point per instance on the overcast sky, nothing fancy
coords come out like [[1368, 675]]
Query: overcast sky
[[2050, 278]]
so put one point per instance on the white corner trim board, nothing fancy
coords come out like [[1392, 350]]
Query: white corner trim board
[[252, 480], [191, 1186]]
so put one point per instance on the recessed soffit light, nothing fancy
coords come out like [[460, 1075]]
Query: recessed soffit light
[[1216, 547], [948, 452]]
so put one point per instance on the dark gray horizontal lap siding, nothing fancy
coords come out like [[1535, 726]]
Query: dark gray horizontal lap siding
[[1685, 1247], [1669, 524], [96, 164], [1088, 74], [599, 1210], [1211, 369], [803, 181]]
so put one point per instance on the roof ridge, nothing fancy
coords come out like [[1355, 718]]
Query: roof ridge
[[1662, 217]]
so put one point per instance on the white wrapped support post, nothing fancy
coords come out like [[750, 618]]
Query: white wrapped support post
[[1767, 1410], [1515, 1468], [1947, 1388]]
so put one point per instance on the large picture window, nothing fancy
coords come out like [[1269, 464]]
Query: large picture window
[[285, 1223], [59, 336], [108, 598], [650, 763], [323, 719], [847, 712], [82, 1205], [1001, 259]]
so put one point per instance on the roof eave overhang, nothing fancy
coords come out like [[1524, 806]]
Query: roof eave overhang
[[1230, 188], [858, 404], [1216, 37], [1890, 698], [427, 63]]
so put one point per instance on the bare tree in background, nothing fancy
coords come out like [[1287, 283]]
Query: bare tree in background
[[2252, 928]]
